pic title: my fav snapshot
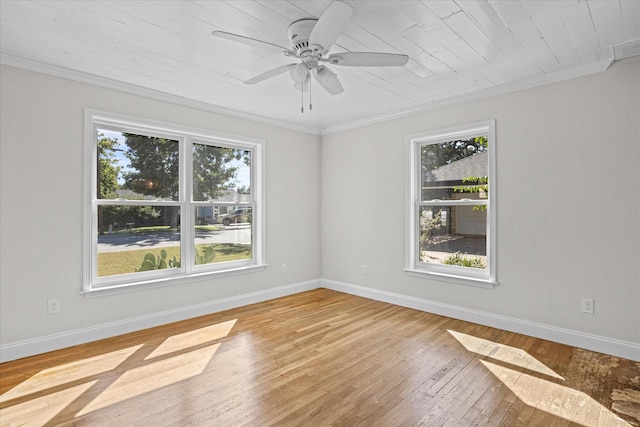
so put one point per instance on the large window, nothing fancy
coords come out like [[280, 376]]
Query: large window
[[451, 204], [167, 203]]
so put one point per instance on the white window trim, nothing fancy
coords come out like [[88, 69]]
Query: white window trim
[[455, 274], [94, 286]]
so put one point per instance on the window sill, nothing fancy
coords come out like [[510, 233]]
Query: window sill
[[452, 278], [168, 281]]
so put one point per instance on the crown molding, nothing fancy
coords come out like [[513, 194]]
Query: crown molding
[[104, 82], [627, 49], [544, 79], [65, 73]]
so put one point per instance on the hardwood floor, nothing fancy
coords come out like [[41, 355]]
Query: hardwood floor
[[321, 358]]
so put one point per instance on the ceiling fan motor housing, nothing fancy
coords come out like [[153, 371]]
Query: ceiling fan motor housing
[[298, 34]]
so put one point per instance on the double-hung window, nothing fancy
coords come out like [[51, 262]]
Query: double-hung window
[[451, 204], [167, 204]]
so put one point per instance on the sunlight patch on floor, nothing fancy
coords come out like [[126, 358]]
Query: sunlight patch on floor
[[153, 376], [69, 372], [193, 338], [542, 394], [511, 355], [557, 399], [53, 391], [40, 410]]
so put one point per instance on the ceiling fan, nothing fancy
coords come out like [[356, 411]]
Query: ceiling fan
[[310, 41]]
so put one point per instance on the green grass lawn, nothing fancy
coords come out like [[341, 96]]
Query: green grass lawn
[[122, 262]]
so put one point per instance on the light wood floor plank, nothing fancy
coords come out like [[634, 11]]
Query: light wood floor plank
[[321, 358]]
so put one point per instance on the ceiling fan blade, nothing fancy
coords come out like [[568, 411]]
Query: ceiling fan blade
[[271, 73], [251, 42], [328, 80], [367, 59], [330, 25]]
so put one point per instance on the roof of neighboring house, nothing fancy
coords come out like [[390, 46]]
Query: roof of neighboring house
[[230, 195], [476, 165]]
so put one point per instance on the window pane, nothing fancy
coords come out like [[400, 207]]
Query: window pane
[[137, 238], [228, 237], [453, 235], [136, 167], [455, 169], [222, 174]]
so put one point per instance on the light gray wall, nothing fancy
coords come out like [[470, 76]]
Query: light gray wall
[[568, 186], [568, 207], [41, 145]]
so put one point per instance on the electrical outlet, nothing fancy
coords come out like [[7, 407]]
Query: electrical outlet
[[587, 305], [365, 269], [284, 269], [53, 306]]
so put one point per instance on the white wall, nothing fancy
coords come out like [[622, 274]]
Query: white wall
[[568, 155], [568, 207], [41, 208]]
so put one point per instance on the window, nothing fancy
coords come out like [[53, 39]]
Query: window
[[167, 203], [451, 204]]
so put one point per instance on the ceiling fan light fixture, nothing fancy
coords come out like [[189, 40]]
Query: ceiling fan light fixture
[[299, 73], [303, 86]]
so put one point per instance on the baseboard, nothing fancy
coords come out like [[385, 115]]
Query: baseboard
[[596, 343], [48, 343]]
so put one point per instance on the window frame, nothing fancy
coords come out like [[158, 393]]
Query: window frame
[[485, 278], [93, 285]]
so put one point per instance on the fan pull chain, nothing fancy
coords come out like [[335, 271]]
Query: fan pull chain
[[302, 98], [310, 106]]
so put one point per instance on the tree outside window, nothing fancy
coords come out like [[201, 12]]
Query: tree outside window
[[156, 200], [450, 213]]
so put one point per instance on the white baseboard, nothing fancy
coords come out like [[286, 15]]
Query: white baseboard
[[573, 338], [47, 343]]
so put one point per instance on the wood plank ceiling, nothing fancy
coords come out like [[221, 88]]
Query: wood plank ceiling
[[458, 50]]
